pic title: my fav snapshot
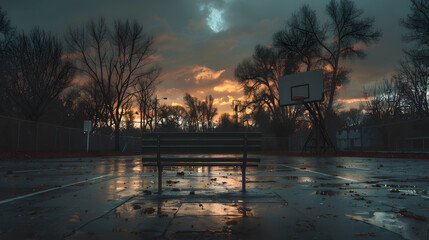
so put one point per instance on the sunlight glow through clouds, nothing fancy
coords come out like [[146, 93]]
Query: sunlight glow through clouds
[[205, 73], [228, 86]]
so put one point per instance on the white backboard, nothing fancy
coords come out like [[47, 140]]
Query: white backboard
[[306, 84]]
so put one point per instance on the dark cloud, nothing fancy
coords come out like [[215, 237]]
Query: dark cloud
[[185, 40]]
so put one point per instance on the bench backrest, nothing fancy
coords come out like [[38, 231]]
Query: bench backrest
[[211, 142]]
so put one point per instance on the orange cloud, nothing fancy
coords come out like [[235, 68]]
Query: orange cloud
[[228, 86], [205, 73], [351, 100], [155, 58], [195, 26], [176, 104], [227, 100]]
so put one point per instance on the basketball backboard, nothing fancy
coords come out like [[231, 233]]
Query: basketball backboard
[[308, 85]]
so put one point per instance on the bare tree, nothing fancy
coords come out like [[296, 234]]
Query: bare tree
[[209, 111], [172, 118], [36, 72], [383, 102], [413, 79], [298, 45], [194, 111], [259, 76], [200, 113], [336, 40], [225, 122], [418, 24], [115, 59], [352, 117], [144, 91], [6, 33]]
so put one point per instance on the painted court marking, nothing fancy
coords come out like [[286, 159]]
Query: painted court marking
[[320, 173], [48, 190], [68, 185]]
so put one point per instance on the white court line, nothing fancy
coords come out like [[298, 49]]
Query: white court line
[[35, 170], [329, 175], [324, 174], [48, 190], [67, 185]]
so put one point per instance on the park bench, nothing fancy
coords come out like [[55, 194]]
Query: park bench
[[171, 147]]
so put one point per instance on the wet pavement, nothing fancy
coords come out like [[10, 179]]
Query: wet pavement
[[287, 198]]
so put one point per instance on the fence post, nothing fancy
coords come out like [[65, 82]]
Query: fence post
[[19, 135], [69, 141], [56, 139], [37, 137]]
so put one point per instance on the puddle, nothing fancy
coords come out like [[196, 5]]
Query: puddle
[[394, 222], [394, 186], [336, 185], [329, 193], [383, 177], [300, 179]]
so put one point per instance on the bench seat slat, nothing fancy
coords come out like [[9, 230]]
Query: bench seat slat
[[196, 164], [204, 135], [197, 159], [203, 146]]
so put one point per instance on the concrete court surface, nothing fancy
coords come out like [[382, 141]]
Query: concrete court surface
[[287, 198]]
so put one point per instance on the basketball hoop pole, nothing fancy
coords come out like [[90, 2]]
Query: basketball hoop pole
[[307, 88], [323, 141]]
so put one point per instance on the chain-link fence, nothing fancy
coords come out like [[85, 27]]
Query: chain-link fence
[[18, 134]]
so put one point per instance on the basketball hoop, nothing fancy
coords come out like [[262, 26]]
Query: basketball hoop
[[299, 100]]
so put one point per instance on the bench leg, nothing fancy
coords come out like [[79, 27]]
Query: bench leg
[[159, 179], [243, 178]]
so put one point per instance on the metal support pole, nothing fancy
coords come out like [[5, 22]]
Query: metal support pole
[[56, 139], [158, 159], [19, 135], [156, 103], [37, 137], [69, 141], [243, 167]]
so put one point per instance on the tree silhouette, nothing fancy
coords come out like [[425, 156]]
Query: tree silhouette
[[115, 58], [144, 92], [413, 79], [306, 41], [383, 103], [200, 113], [36, 72], [418, 24], [259, 77], [6, 33]]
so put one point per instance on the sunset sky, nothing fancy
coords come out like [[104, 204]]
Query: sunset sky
[[199, 43]]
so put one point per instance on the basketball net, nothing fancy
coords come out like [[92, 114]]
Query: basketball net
[[299, 100]]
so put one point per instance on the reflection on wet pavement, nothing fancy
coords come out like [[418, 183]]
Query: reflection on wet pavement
[[288, 197]]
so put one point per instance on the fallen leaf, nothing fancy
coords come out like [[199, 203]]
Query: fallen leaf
[[149, 210], [232, 222], [361, 234], [31, 213]]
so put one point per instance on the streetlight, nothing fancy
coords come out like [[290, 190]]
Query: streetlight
[[235, 104], [156, 103]]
